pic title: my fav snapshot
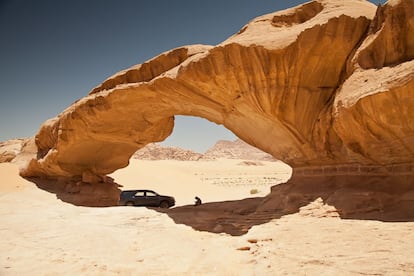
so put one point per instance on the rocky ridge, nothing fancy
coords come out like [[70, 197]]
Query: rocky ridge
[[237, 149], [155, 151], [222, 149]]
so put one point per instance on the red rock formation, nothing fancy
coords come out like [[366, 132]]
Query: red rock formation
[[324, 83]]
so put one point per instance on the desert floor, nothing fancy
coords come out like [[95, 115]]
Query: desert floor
[[41, 235]]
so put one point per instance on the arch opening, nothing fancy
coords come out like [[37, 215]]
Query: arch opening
[[196, 134], [201, 158]]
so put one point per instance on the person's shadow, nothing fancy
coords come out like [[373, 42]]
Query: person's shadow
[[383, 198]]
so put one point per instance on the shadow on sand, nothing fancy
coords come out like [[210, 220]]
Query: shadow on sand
[[383, 198], [388, 198], [79, 193]]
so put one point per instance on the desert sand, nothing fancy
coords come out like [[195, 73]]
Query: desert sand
[[42, 235], [325, 86]]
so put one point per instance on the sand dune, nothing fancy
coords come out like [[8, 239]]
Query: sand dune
[[42, 235]]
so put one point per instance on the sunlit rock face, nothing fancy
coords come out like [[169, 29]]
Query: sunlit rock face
[[373, 110], [326, 83]]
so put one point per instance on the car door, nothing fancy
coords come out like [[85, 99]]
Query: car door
[[152, 198], [139, 198]]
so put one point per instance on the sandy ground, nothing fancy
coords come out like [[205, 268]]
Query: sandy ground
[[40, 235], [221, 180]]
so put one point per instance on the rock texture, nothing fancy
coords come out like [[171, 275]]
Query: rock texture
[[326, 83]]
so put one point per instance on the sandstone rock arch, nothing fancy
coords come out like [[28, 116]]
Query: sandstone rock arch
[[312, 91]]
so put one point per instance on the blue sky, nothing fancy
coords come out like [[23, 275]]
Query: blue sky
[[53, 52]]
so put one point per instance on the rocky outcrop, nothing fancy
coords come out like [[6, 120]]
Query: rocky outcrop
[[221, 149], [155, 151], [10, 149], [235, 150], [326, 83], [390, 40]]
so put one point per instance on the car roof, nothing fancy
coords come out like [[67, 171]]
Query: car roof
[[140, 190]]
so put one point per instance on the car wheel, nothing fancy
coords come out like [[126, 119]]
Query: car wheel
[[129, 203], [164, 204]]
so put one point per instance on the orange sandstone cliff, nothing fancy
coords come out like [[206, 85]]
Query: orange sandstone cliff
[[326, 87]]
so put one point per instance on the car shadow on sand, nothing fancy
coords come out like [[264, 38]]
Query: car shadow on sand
[[383, 198]]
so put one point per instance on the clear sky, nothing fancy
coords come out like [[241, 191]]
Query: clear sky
[[53, 52]]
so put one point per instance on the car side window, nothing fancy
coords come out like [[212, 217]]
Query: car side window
[[151, 194], [139, 194]]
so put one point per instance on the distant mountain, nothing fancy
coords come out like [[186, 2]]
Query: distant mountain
[[157, 152], [237, 149], [222, 149]]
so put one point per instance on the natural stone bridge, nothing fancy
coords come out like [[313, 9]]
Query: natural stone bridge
[[327, 85]]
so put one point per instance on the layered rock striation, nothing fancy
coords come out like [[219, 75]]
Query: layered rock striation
[[328, 83]]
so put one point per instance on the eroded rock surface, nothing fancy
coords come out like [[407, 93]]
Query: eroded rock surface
[[326, 83]]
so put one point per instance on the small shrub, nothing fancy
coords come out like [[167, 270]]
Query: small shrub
[[244, 248], [254, 191]]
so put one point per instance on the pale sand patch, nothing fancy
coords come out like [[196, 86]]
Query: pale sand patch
[[40, 235], [9, 180]]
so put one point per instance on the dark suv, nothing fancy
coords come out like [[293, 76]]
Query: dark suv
[[145, 198]]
